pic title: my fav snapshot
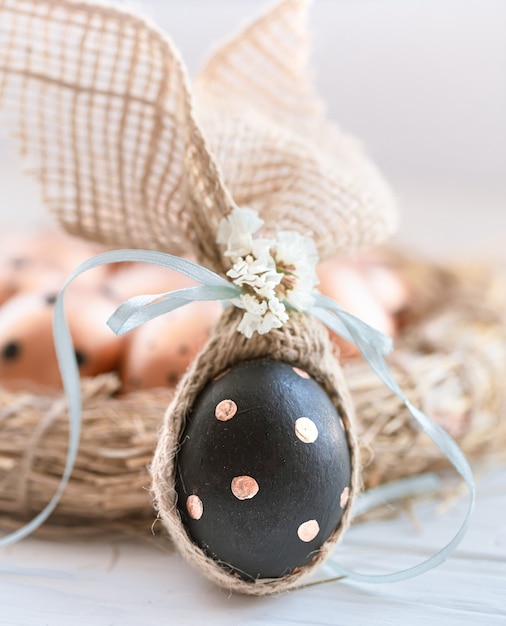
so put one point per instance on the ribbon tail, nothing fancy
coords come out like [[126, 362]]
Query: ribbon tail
[[70, 378], [373, 346], [348, 326], [423, 484]]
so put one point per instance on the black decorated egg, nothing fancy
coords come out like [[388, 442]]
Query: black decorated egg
[[263, 471]]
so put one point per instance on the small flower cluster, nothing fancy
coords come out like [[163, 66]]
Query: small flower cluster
[[272, 274]]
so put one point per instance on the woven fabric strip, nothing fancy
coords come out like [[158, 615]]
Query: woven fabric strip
[[101, 107]]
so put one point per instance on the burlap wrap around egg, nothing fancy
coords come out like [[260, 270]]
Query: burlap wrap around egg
[[303, 343], [127, 157]]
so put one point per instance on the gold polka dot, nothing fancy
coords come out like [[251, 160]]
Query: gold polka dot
[[225, 410], [244, 487], [306, 430], [300, 372], [308, 530], [345, 496], [194, 507]]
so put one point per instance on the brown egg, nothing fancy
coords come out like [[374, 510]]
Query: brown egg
[[27, 354], [135, 279], [26, 256], [159, 352], [384, 277], [343, 281], [50, 245], [20, 276]]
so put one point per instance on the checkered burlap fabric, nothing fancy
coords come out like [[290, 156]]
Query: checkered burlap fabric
[[102, 108]]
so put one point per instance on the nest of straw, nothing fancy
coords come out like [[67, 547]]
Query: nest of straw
[[450, 360]]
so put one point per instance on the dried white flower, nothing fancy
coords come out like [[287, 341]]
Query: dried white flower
[[250, 324], [270, 272], [278, 309], [297, 256], [250, 304], [237, 229]]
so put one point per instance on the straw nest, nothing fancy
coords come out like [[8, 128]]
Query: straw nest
[[450, 360]]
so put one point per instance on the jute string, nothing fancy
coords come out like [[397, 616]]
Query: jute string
[[303, 342]]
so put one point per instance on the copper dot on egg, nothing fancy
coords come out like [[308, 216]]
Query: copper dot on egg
[[195, 507], [225, 410], [244, 487], [307, 531], [306, 430], [300, 372], [345, 496]]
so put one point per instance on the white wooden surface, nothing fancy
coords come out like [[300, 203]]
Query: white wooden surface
[[132, 584], [59, 583]]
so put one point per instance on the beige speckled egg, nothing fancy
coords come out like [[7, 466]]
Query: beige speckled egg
[[27, 354], [159, 352], [343, 281], [135, 279], [49, 245], [22, 275], [29, 260], [387, 284]]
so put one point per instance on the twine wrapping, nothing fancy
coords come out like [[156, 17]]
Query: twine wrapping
[[303, 342]]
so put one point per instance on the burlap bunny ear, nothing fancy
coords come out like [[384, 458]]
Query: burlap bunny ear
[[99, 103], [265, 67], [102, 109]]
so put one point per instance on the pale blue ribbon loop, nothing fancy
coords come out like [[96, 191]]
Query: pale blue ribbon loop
[[372, 344], [142, 309], [67, 362]]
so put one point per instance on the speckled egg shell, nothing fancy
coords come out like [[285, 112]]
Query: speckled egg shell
[[343, 281], [388, 285], [27, 354], [263, 473], [97, 348], [48, 245], [23, 275], [48, 249], [159, 352], [135, 279]]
